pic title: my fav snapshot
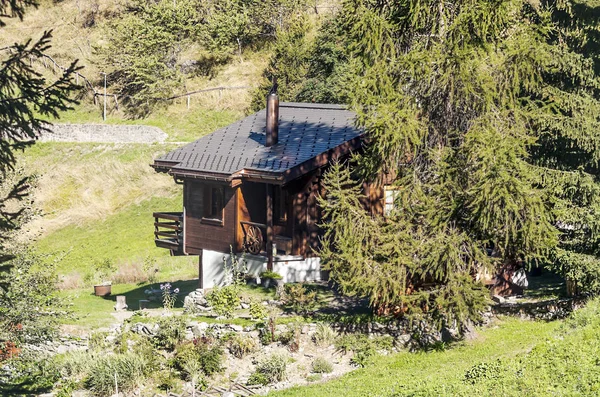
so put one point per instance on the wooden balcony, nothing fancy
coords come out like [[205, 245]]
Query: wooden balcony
[[255, 239], [168, 231]]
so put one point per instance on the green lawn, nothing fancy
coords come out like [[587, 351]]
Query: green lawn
[[90, 311], [125, 237], [412, 374]]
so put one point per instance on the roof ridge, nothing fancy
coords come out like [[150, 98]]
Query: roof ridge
[[304, 105]]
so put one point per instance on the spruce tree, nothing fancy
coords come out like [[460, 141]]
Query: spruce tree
[[25, 95]]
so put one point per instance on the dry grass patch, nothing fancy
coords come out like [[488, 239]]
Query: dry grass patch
[[79, 183]]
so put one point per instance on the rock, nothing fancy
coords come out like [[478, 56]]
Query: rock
[[498, 299], [142, 329], [244, 305], [236, 328], [403, 339]]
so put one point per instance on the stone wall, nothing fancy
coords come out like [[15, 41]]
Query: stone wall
[[103, 133], [553, 309]]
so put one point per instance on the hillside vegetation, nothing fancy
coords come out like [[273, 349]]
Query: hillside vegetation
[[515, 358], [94, 201]]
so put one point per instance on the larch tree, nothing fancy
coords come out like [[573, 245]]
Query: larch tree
[[485, 114]]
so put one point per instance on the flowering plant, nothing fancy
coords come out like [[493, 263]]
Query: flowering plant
[[169, 297]]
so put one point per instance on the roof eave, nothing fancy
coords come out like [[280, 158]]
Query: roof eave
[[323, 159]]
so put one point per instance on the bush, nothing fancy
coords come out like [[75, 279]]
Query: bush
[[257, 378], [240, 345], [298, 299], [258, 311], [98, 341], [27, 374], [201, 355], [270, 274], [324, 335], [170, 333], [270, 370], [320, 365], [291, 338], [482, 371], [363, 347], [224, 300], [129, 370]]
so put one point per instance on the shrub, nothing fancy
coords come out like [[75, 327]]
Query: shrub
[[201, 355], [324, 335], [170, 333], [298, 299], [98, 341], [258, 311], [166, 379], [257, 378], [240, 345], [224, 300], [270, 274], [270, 370], [27, 374], [483, 371], [320, 365], [150, 268], [363, 347], [129, 370], [291, 338]]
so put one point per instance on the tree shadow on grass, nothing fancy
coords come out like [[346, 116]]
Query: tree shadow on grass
[[134, 295]]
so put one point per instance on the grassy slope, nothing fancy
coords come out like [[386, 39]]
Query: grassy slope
[[128, 235], [407, 373]]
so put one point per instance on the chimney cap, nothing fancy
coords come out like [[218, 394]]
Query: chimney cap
[[273, 90]]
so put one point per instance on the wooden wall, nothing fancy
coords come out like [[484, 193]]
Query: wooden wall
[[252, 207], [247, 202], [201, 234]]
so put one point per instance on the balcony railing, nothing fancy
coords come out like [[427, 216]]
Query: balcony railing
[[168, 231], [255, 239]]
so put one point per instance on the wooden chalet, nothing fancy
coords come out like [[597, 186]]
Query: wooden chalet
[[252, 186]]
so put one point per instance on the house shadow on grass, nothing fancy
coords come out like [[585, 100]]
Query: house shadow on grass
[[135, 294]]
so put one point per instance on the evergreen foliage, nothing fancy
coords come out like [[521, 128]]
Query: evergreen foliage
[[484, 114], [144, 46], [27, 304], [24, 95], [29, 308], [308, 67]]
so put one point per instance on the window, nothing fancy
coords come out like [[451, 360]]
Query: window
[[280, 205], [214, 202], [390, 194]]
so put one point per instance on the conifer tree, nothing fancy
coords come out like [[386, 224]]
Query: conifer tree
[[25, 94], [485, 113]]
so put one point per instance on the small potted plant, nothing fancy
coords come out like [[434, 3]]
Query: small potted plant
[[270, 279], [102, 272]]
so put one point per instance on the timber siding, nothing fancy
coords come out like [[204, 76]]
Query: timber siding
[[202, 234]]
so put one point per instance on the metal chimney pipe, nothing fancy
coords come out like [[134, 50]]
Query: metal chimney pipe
[[272, 117]]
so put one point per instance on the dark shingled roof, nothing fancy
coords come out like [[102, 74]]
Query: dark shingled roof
[[305, 131]]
